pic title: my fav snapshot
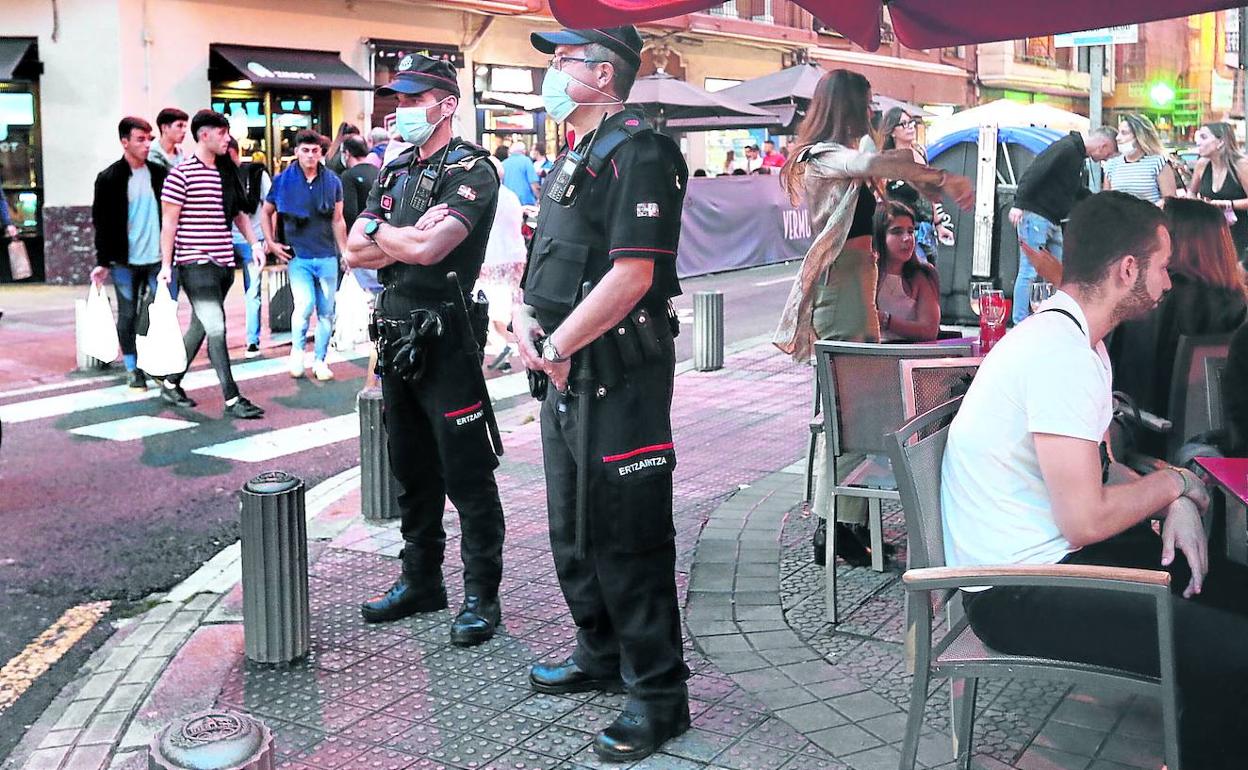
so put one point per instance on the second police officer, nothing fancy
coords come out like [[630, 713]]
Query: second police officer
[[428, 215], [610, 218]]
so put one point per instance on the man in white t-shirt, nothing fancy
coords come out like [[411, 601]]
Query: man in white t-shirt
[[1024, 482]]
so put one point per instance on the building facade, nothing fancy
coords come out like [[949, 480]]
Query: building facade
[[70, 70]]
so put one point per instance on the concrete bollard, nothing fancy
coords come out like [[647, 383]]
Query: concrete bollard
[[708, 331], [379, 489], [85, 362], [275, 569], [213, 740]]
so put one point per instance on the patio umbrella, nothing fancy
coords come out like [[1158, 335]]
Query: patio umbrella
[[664, 98], [917, 23]]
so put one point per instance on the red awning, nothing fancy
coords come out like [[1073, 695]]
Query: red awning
[[917, 23]]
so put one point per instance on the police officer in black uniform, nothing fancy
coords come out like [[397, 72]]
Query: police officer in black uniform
[[610, 216], [429, 214]]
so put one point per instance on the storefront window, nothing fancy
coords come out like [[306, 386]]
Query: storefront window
[[266, 122], [510, 109]]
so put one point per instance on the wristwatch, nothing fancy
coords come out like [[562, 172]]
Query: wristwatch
[[370, 229], [550, 353]]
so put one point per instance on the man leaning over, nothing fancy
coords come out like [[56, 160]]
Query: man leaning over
[[1022, 484]]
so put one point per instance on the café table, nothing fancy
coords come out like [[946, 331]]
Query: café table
[[1230, 477]]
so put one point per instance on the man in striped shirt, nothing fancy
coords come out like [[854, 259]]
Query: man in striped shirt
[[200, 199]]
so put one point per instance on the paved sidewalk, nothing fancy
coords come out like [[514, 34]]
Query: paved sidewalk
[[773, 685]]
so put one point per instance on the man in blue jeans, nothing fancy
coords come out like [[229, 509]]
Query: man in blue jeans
[[256, 186], [125, 210], [308, 197], [1046, 194]]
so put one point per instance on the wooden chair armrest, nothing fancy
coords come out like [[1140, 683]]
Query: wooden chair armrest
[[1050, 575]]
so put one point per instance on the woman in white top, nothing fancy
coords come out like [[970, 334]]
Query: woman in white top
[[907, 293], [1141, 169]]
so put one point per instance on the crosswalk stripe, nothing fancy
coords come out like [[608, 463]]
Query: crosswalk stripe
[[283, 441], [131, 428], [68, 403]]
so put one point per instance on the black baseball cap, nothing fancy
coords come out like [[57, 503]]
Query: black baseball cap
[[417, 73], [624, 41]]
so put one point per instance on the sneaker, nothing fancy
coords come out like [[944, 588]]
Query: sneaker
[[296, 363], [137, 380], [173, 395], [253, 350], [243, 409], [322, 371]]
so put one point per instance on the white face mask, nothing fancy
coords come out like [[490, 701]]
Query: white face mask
[[1126, 148], [413, 123]]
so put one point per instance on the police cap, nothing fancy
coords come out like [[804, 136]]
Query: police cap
[[624, 41], [417, 73]]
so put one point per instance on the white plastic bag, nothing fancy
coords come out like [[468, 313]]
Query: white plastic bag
[[161, 352], [352, 312], [99, 330]]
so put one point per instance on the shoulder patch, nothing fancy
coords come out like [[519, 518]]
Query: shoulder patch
[[466, 192]]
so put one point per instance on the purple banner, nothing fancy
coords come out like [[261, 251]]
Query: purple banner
[[731, 222]]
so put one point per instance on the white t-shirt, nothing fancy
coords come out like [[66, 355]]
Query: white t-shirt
[[1043, 377]]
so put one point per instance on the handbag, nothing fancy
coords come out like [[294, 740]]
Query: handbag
[[354, 311], [19, 260], [161, 351]]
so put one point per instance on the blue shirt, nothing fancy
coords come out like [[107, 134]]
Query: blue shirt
[[142, 218], [309, 228], [519, 176]]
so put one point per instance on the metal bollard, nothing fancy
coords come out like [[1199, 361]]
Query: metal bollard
[[708, 331], [275, 569], [213, 740], [85, 362], [379, 489]]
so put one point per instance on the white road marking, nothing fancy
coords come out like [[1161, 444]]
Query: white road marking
[[131, 428], [74, 383], [774, 281], [283, 441], [56, 406]]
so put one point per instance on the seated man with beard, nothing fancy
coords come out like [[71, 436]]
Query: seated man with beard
[[1023, 482]]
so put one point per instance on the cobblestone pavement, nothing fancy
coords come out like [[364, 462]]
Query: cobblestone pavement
[[773, 686]]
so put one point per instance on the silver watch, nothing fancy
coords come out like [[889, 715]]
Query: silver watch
[[550, 353]]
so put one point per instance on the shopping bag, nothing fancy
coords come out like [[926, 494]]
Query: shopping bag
[[352, 312], [161, 352], [19, 260], [99, 329]]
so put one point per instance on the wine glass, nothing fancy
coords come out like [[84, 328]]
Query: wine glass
[[992, 307], [976, 291], [1040, 291]]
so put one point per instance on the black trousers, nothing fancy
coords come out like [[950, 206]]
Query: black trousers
[[206, 286], [1211, 637], [439, 448], [622, 595]]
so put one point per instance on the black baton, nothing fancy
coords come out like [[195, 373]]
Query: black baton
[[473, 355], [583, 378]]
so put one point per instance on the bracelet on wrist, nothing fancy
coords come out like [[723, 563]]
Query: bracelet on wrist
[[1182, 477]]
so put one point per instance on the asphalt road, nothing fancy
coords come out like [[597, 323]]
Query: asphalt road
[[90, 518]]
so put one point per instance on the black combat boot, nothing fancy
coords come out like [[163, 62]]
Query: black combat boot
[[403, 599], [476, 621]]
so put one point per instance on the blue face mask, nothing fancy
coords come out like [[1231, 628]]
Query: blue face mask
[[413, 124], [555, 95]]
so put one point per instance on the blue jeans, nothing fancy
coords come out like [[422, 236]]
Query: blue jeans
[[313, 280], [251, 291], [129, 282], [1038, 233]]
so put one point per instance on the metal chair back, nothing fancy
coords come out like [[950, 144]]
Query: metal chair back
[[926, 383], [1214, 369], [861, 393], [1189, 387], [918, 483]]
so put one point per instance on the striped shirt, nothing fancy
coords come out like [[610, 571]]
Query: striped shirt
[[203, 236], [1138, 178]]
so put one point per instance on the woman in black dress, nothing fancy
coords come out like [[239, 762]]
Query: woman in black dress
[[1220, 176]]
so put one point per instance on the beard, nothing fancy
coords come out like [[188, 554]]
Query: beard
[[1137, 304]]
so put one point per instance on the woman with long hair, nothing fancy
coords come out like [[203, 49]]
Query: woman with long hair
[[833, 296], [1207, 297], [333, 155], [1141, 168], [1220, 176], [908, 291], [900, 132]]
